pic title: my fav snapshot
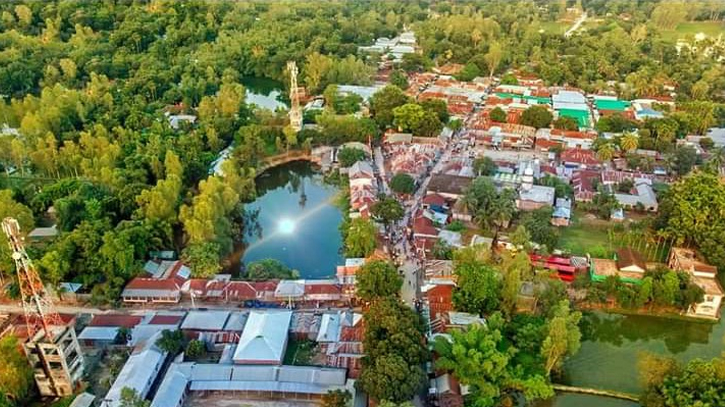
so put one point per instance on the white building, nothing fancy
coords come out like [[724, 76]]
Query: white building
[[139, 372], [264, 339]]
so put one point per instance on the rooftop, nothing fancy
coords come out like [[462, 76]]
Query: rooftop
[[213, 320], [538, 193], [264, 338], [450, 184], [138, 373], [626, 257], [115, 320]]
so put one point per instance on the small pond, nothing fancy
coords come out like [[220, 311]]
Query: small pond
[[611, 344], [263, 92], [296, 221]]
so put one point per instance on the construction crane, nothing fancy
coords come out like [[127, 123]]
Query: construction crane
[[295, 114], [37, 306]]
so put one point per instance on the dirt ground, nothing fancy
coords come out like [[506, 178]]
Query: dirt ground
[[231, 401]]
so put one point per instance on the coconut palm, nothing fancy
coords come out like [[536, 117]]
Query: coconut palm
[[605, 152], [629, 142], [716, 160]]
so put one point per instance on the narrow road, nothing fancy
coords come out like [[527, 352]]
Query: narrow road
[[576, 25], [411, 263]]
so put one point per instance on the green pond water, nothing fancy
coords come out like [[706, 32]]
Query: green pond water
[[610, 347], [263, 92], [294, 221]]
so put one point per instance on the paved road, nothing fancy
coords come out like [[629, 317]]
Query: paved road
[[380, 164], [576, 25], [411, 264]]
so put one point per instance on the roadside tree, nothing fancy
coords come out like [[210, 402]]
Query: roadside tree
[[377, 279], [402, 183]]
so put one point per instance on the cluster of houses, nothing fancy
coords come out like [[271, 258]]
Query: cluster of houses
[[249, 348], [461, 97], [169, 281], [395, 47], [629, 266], [405, 154], [363, 189]]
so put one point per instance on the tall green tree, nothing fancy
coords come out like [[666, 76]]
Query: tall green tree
[[383, 102], [536, 116], [402, 183], [388, 211], [131, 398], [16, 377], [563, 338], [377, 279], [361, 238], [478, 286]]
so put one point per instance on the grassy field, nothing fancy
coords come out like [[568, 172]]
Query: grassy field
[[555, 27], [710, 28], [584, 236], [602, 238]]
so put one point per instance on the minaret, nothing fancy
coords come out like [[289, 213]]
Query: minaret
[[527, 180], [295, 114]]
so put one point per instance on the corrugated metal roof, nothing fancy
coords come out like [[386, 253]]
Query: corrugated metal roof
[[213, 320], [173, 388], [98, 333], [264, 337], [138, 373], [83, 400], [236, 321]]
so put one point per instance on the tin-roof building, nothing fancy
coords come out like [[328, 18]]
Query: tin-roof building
[[139, 372], [264, 339]]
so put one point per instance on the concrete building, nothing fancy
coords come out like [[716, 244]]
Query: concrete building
[[532, 197], [703, 275], [57, 363], [162, 286]]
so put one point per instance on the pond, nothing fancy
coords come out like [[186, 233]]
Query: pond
[[295, 221], [610, 347], [263, 92]]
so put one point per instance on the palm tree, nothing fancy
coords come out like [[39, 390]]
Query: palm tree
[[716, 160], [629, 142], [605, 152]]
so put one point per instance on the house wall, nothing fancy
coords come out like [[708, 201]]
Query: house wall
[[710, 307], [529, 205]]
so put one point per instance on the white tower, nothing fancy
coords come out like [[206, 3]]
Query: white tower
[[295, 114]]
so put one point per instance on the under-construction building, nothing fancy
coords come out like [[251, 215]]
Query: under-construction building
[[52, 348], [57, 363]]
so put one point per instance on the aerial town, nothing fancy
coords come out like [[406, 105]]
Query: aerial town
[[352, 204]]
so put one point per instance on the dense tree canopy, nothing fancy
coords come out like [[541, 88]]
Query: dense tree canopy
[[15, 373], [692, 213], [402, 183], [377, 279], [669, 384]]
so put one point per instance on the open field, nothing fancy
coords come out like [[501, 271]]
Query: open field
[[555, 27], [585, 236], [710, 28]]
